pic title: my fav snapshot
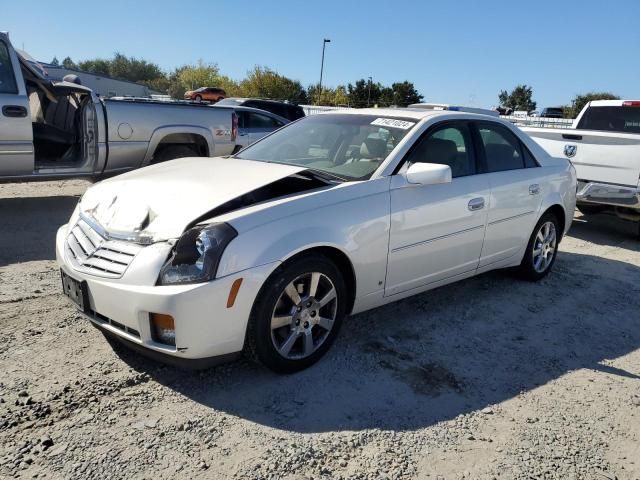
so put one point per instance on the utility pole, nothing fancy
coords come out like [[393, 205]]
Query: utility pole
[[324, 43], [369, 95]]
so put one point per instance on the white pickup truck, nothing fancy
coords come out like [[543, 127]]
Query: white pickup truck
[[62, 129], [604, 146]]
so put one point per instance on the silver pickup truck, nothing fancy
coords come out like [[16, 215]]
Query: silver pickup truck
[[54, 130]]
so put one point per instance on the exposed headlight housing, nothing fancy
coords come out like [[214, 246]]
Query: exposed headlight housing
[[196, 256]]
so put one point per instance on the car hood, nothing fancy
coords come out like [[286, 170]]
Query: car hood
[[158, 202]]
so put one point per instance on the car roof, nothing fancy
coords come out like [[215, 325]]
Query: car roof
[[415, 113], [254, 110]]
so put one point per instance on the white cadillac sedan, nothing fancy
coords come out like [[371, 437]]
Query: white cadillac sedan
[[198, 259]]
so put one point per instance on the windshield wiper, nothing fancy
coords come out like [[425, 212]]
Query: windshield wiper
[[324, 175]]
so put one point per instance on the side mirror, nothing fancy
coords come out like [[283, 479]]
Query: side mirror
[[428, 173]]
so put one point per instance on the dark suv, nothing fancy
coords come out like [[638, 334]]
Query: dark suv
[[286, 110]]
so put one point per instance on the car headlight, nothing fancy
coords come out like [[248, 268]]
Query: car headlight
[[196, 256]]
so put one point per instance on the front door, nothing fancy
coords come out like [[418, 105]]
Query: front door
[[437, 230], [16, 131]]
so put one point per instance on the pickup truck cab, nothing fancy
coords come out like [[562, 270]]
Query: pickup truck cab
[[603, 144], [62, 129]]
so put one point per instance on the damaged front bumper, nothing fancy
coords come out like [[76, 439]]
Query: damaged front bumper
[[206, 329]]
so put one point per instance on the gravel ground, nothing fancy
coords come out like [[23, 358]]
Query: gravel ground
[[488, 378]]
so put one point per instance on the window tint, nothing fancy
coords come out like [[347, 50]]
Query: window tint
[[611, 119], [242, 119], [262, 121], [7, 79], [501, 148], [449, 145]]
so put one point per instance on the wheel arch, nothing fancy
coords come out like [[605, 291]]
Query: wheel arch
[[180, 135], [340, 259], [558, 211]]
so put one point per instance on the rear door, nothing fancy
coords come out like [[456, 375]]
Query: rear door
[[516, 191], [16, 132]]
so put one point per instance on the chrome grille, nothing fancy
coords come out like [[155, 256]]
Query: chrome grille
[[90, 252]]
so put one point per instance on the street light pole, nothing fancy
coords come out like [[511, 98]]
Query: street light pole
[[369, 95], [324, 43]]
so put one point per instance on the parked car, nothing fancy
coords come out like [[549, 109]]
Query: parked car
[[195, 260], [61, 129], [552, 112], [604, 146], [286, 110], [253, 124], [207, 94]]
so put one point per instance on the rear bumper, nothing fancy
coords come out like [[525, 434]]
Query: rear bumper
[[608, 194]]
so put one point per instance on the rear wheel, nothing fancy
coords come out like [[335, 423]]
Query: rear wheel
[[297, 314], [171, 152], [541, 249]]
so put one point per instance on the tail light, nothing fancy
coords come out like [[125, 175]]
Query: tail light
[[234, 126], [631, 103]]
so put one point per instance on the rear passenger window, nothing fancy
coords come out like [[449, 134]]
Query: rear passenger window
[[448, 145], [7, 79], [501, 148]]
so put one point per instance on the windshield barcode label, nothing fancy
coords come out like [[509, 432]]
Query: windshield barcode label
[[393, 123]]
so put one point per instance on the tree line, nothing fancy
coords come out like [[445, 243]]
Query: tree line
[[521, 98], [260, 82]]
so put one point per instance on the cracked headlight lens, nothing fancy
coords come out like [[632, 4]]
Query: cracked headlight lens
[[196, 256]]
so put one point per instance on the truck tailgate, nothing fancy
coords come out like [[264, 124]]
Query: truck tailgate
[[604, 157]]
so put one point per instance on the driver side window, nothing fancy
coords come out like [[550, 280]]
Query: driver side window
[[449, 144]]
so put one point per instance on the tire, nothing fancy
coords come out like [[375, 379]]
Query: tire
[[198, 98], [532, 267], [590, 209], [290, 331], [172, 152]]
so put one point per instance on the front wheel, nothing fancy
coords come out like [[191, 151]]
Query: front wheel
[[297, 314], [541, 249]]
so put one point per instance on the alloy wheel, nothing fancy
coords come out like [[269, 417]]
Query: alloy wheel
[[304, 315], [544, 247]]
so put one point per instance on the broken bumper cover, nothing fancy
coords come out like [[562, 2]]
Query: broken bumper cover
[[205, 329], [608, 194]]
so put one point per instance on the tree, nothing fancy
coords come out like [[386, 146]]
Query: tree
[[520, 98], [68, 63], [579, 101], [123, 68], [266, 83], [364, 93], [55, 62], [404, 94]]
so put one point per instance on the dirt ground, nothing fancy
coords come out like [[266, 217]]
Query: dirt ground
[[488, 378]]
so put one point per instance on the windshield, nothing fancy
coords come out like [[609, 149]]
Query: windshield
[[345, 146]]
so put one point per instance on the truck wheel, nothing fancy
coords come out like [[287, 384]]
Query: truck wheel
[[590, 209], [172, 152], [297, 314]]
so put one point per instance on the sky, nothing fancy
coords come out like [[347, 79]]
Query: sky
[[459, 52]]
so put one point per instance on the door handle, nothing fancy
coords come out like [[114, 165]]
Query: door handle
[[476, 204], [534, 189], [14, 111]]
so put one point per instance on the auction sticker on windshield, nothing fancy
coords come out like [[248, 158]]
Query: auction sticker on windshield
[[393, 123]]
